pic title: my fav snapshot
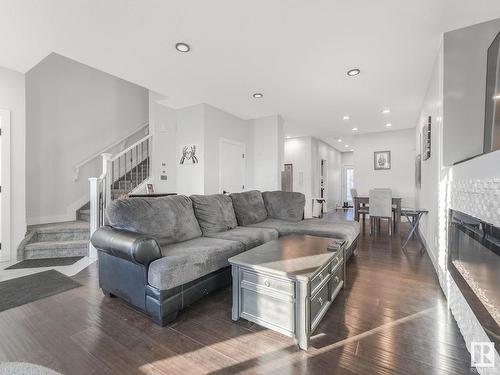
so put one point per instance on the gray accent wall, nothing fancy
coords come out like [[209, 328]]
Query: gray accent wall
[[464, 87], [72, 111]]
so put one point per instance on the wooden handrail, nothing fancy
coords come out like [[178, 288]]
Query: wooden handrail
[[77, 166]]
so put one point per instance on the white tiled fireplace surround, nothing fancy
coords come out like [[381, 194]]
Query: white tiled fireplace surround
[[480, 198]]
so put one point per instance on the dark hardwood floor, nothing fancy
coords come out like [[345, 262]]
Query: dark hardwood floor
[[391, 319]]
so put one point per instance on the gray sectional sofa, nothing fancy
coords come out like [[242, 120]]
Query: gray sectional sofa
[[162, 254]]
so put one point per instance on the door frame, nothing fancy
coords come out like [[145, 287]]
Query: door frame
[[344, 181], [8, 253], [235, 143]]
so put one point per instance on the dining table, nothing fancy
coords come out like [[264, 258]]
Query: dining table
[[360, 200]]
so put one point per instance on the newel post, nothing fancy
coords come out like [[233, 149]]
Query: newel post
[[94, 212], [108, 178]]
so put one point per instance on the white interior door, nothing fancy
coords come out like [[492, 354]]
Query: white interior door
[[232, 166]]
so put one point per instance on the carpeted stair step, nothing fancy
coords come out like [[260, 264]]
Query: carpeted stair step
[[84, 215], [80, 231], [56, 249]]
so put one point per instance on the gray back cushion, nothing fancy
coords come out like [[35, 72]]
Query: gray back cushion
[[249, 207], [215, 213], [284, 205], [167, 219]]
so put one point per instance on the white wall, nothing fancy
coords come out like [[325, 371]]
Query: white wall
[[163, 127], [268, 138], [401, 177], [218, 125], [72, 111], [428, 195], [191, 131], [12, 98]]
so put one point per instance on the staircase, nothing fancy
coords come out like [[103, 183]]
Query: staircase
[[122, 173], [57, 240]]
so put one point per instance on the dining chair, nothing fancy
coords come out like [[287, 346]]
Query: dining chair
[[380, 208], [362, 210], [394, 218]]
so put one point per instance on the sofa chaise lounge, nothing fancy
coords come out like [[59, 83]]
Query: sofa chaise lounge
[[163, 254]]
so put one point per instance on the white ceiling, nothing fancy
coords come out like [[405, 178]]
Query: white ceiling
[[295, 52]]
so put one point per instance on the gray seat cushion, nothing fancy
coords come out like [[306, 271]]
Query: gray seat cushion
[[250, 237], [167, 219], [215, 213], [284, 205], [189, 260], [348, 230], [249, 207]]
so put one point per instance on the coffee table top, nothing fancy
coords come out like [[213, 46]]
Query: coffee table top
[[295, 256]]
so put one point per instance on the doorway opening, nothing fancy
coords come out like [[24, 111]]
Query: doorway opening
[[347, 184], [5, 248]]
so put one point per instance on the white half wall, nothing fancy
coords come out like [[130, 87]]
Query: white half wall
[[72, 111], [401, 177], [305, 154], [333, 172], [12, 98]]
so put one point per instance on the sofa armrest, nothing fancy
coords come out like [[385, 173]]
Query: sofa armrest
[[134, 247]]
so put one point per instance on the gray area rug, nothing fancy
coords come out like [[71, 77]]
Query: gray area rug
[[26, 289], [46, 262], [22, 368]]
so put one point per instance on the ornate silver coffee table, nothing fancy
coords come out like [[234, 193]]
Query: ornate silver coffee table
[[287, 285]]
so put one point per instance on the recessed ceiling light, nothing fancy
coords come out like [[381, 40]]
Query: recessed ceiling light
[[386, 111], [339, 140], [353, 72], [496, 97], [288, 137], [352, 149], [182, 47], [354, 129], [258, 95], [346, 117], [346, 145], [388, 125]]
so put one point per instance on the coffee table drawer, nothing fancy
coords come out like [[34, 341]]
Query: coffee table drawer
[[316, 280], [319, 302], [337, 260], [269, 282], [336, 281], [268, 310]]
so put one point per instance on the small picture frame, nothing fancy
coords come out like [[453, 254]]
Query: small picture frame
[[150, 189], [381, 160]]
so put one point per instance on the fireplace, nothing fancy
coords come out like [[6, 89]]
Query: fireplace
[[474, 264]]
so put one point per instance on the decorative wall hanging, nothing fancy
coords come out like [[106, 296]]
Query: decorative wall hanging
[[426, 138], [188, 155], [382, 160]]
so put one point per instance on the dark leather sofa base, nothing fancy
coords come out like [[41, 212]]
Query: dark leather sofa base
[[162, 306]]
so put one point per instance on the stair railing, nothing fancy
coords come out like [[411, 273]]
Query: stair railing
[[121, 174], [121, 142]]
